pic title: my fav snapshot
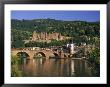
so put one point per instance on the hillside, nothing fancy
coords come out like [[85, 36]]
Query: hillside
[[81, 31]]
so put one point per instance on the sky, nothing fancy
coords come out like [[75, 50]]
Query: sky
[[89, 16]]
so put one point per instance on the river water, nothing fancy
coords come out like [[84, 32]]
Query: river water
[[42, 67]]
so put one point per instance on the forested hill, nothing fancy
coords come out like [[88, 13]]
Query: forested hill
[[80, 31], [67, 28]]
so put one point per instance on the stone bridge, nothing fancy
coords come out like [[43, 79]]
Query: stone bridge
[[44, 53]]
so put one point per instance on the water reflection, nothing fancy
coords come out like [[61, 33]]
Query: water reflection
[[41, 67]]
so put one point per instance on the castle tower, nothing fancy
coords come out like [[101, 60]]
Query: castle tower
[[60, 37], [34, 36], [45, 35]]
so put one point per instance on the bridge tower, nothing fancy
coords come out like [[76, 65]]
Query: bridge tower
[[70, 47]]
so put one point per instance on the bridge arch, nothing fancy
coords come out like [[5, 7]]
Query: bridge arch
[[56, 55], [22, 54], [40, 54]]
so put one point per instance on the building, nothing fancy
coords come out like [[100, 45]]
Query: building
[[47, 36]]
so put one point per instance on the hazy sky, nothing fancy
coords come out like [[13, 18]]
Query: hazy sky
[[89, 16]]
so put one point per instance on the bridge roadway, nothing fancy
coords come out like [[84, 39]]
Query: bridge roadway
[[43, 52]]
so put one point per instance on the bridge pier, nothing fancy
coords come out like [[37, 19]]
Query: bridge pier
[[61, 54], [31, 56]]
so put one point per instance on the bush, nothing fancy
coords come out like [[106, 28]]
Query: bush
[[14, 66], [94, 56], [14, 60], [15, 72]]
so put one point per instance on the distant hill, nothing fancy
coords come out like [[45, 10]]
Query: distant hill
[[70, 28]]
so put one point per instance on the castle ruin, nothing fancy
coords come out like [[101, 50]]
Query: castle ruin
[[46, 36]]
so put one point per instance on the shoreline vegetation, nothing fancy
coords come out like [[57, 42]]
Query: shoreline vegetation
[[15, 72]]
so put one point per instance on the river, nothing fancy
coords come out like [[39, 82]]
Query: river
[[41, 67]]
